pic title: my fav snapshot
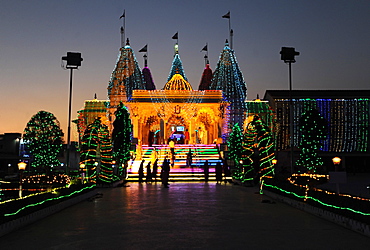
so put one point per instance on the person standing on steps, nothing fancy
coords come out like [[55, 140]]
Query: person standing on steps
[[141, 171], [171, 144], [148, 173], [189, 159], [155, 169], [165, 173], [187, 136]]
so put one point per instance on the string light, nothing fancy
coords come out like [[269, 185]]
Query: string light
[[313, 129], [50, 199], [122, 136], [228, 78], [313, 199], [345, 133]]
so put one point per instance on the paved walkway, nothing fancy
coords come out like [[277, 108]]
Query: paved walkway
[[184, 216]]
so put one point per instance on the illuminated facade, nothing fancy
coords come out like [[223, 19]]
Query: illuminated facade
[[347, 113], [177, 111]]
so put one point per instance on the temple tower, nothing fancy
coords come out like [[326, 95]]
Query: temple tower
[[228, 78]]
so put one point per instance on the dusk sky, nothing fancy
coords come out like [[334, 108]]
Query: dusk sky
[[332, 36]]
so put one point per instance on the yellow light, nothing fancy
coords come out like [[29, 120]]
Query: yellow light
[[22, 165], [274, 161], [82, 166], [336, 160]]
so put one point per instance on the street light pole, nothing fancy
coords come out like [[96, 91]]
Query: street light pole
[[74, 60], [288, 56], [21, 167]]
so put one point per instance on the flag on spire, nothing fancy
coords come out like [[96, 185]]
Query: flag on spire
[[123, 15], [205, 48], [144, 49], [176, 36], [227, 15]]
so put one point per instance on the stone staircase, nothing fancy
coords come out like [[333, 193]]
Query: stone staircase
[[179, 172]]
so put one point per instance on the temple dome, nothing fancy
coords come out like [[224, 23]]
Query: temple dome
[[177, 82]]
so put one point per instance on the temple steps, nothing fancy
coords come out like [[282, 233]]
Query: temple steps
[[180, 172]]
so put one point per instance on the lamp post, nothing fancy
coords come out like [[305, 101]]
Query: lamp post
[[21, 167], [288, 56], [336, 160], [82, 168], [74, 60]]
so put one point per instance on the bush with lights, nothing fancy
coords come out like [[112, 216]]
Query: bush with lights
[[43, 137], [313, 128]]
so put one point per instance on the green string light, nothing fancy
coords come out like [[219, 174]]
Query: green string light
[[314, 199], [51, 199]]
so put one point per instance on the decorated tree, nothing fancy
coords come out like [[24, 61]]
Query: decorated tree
[[96, 146], [44, 140], [89, 150], [249, 142], [313, 128], [106, 155], [235, 146], [265, 147], [122, 135]]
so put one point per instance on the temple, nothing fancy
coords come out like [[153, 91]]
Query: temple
[[177, 111]]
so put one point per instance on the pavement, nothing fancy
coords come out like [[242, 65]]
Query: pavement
[[188, 215]]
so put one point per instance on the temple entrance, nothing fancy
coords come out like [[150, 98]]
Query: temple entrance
[[176, 130]]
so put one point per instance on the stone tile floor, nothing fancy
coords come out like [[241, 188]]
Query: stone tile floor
[[185, 216]]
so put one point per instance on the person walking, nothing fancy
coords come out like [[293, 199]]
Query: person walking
[[155, 169], [171, 144], [148, 173], [218, 171], [165, 173], [206, 170], [189, 159], [141, 171], [154, 155]]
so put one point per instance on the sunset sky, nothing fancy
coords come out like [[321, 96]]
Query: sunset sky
[[332, 36]]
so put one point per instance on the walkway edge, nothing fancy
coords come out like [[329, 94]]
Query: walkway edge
[[13, 225], [327, 215]]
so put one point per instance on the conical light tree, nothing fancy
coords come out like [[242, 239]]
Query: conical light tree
[[44, 140]]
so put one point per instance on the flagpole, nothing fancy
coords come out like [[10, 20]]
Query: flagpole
[[228, 16], [122, 40], [124, 26], [230, 32], [206, 58]]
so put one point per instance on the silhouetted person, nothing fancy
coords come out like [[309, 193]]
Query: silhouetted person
[[165, 172], [187, 136], [141, 171], [155, 169], [148, 173], [189, 159], [218, 170], [173, 158], [206, 170], [171, 144]]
